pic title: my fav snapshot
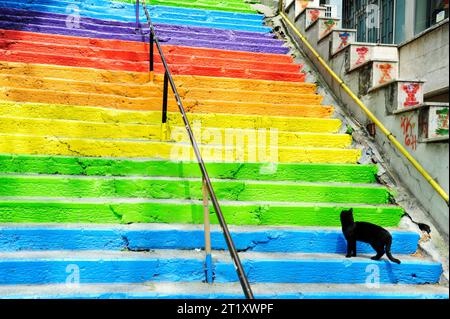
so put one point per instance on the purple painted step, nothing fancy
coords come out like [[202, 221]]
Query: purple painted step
[[42, 22]]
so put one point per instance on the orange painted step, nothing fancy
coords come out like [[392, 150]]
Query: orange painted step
[[28, 47]]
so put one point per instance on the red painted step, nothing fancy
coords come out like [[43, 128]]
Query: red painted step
[[17, 46]]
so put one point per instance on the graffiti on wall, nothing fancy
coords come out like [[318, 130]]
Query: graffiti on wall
[[314, 15], [362, 55], [411, 91], [304, 3], [442, 122], [408, 129], [329, 25], [344, 39], [386, 75]]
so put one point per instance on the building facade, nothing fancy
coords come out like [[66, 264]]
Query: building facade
[[418, 27]]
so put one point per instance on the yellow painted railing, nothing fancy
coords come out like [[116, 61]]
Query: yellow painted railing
[[372, 117]]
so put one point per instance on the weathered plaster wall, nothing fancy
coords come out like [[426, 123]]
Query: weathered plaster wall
[[434, 157], [426, 58]]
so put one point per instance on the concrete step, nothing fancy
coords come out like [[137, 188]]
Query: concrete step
[[239, 171], [190, 290], [50, 145], [145, 237], [223, 5], [94, 130], [114, 267], [141, 93], [160, 14], [130, 78], [69, 186], [126, 211], [22, 43], [310, 108], [48, 23], [139, 118]]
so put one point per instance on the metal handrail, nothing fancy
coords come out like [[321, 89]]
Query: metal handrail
[[390, 136], [206, 180]]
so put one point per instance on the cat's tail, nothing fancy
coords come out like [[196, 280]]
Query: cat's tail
[[388, 252]]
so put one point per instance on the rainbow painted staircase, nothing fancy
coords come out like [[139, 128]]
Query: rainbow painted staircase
[[98, 201]]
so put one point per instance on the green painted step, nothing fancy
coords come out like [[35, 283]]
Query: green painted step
[[221, 5], [175, 188], [190, 212], [343, 173]]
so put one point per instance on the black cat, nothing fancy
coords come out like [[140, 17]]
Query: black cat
[[379, 238]]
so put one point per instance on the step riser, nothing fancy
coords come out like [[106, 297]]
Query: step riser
[[227, 4], [153, 133], [128, 7], [332, 242], [126, 15], [187, 213], [245, 171], [32, 145], [187, 270], [127, 78], [155, 104], [126, 61], [109, 116], [131, 36], [336, 296], [142, 93], [179, 189]]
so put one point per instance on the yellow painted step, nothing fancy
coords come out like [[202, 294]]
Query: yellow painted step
[[154, 91], [106, 115], [182, 81], [32, 145], [204, 135], [191, 105]]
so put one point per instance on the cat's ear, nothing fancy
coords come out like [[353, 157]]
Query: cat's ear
[[351, 210]]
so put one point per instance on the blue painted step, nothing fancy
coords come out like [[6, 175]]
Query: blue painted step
[[33, 268], [160, 14], [182, 290], [186, 237]]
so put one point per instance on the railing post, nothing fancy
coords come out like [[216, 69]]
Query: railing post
[[165, 97], [152, 56], [207, 225], [137, 15]]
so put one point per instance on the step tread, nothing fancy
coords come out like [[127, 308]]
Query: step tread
[[218, 256]]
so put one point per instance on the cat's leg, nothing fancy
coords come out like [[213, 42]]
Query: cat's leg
[[351, 248], [354, 248], [380, 252]]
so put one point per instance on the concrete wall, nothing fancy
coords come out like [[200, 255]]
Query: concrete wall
[[433, 157], [426, 58]]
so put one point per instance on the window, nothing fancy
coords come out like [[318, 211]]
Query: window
[[374, 19], [429, 13]]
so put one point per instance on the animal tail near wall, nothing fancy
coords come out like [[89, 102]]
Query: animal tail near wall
[[96, 201]]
